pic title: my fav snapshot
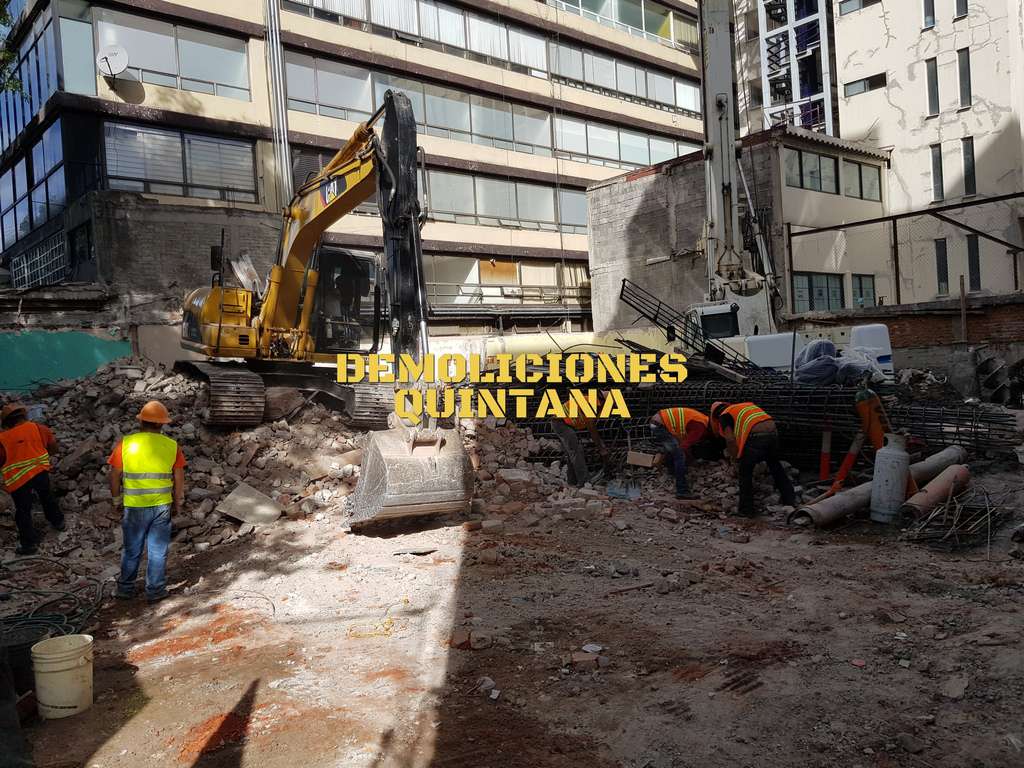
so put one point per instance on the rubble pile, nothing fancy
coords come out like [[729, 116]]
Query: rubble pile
[[512, 485], [305, 464], [916, 385]]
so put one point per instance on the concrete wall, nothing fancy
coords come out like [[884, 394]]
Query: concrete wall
[[887, 38], [645, 225]]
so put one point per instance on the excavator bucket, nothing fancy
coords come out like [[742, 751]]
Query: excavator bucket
[[409, 473]]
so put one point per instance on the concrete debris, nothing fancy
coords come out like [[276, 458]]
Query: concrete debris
[[248, 505]]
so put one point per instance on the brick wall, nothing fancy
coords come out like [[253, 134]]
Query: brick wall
[[151, 254]]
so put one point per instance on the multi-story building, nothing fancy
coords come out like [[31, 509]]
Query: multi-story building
[[940, 84], [785, 52], [226, 105]]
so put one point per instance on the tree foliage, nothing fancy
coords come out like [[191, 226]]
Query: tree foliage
[[8, 55]]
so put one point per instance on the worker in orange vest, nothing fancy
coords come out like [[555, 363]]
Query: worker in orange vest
[[25, 449], [566, 429], [751, 437], [677, 431]]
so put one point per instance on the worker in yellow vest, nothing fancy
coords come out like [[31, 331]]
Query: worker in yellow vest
[[148, 476], [25, 451], [751, 437], [677, 431], [567, 429]]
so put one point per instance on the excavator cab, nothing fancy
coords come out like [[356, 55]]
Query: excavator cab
[[348, 300]]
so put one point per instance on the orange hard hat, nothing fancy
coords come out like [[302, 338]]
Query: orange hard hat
[[10, 409], [155, 413]]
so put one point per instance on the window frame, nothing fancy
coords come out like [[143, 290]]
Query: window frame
[[857, 286], [819, 156], [941, 266], [832, 278], [970, 170], [871, 83], [973, 263], [932, 86], [963, 69], [938, 174], [960, 9], [928, 14], [860, 168]]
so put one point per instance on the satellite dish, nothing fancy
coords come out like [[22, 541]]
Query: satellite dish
[[112, 60]]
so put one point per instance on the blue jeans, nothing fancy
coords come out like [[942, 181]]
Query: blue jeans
[[671, 448], [149, 528]]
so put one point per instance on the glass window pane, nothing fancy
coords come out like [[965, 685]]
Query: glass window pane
[[792, 163], [491, 117], [150, 43], [536, 202], [39, 207], [487, 37], [52, 147], [571, 135], [143, 153], [851, 179], [569, 62], [599, 70], [215, 58], [447, 108], [395, 14], [829, 179], [6, 190], [56, 192], [685, 148], [381, 84], [631, 79], [630, 12], [442, 23], [38, 163], [657, 19], [527, 49], [811, 171], [688, 96], [10, 229], [662, 149], [531, 126], [495, 197], [973, 263], [941, 266], [20, 179], [451, 192], [21, 213], [970, 180], [872, 179], [661, 88], [801, 294], [572, 207], [685, 31], [634, 148], [220, 163], [300, 76], [603, 141]]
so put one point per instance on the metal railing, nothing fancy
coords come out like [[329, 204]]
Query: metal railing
[[441, 293], [607, 21]]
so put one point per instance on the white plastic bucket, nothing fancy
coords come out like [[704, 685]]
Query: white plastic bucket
[[63, 671]]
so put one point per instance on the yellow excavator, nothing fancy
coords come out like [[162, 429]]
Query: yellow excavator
[[290, 331]]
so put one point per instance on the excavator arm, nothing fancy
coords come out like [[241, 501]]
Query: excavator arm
[[364, 165]]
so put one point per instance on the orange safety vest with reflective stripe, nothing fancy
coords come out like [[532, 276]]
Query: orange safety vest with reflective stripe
[[746, 416], [25, 454], [580, 421], [676, 419]]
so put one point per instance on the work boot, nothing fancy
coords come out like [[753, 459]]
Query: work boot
[[746, 512], [59, 526], [157, 598], [686, 495], [26, 550]]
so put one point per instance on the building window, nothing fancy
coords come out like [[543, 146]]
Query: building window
[[161, 53], [34, 68], [963, 57], [973, 263], [941, 267], [970, 181], [809, 170], [487, 201], [817, 292], [932, 70], [929, 14], [938, 187], [145, 159], [849, 6], [961, 9], [867, 84], [863, 290], [861, 180], [77, 48], [34, 191]]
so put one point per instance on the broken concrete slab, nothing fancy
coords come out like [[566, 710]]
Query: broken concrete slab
[[247, 505]]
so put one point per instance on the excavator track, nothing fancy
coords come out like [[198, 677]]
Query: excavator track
[[372, 404], [237, 396]]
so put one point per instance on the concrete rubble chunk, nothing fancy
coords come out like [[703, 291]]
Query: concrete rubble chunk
[[248, 505]]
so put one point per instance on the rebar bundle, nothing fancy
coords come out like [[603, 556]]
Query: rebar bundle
[[963, 521]]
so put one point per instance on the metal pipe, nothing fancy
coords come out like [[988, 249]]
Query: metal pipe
[[835, 508], [951, 480]]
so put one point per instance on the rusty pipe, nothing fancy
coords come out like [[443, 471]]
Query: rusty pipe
[[833, 509], [950, 481]]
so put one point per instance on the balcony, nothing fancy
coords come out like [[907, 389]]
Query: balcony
[[451, 295]]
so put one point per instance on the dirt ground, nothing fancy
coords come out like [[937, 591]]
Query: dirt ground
[[767, 646]]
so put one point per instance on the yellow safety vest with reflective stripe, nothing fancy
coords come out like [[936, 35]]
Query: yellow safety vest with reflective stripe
[[147, 459], [746, 416], [675, 419]]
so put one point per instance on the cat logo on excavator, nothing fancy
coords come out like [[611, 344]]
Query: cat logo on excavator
[[330, 190]]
